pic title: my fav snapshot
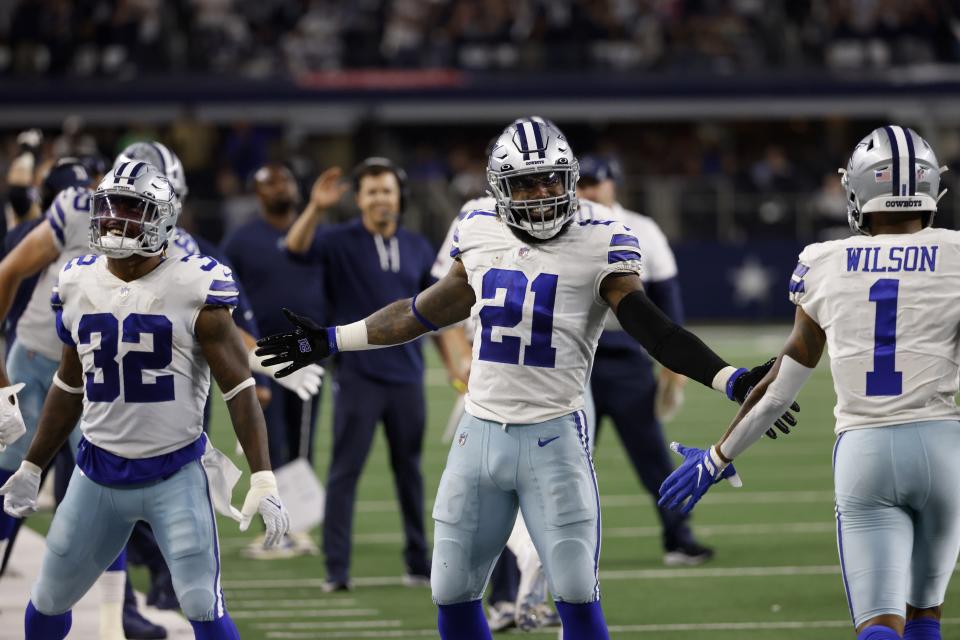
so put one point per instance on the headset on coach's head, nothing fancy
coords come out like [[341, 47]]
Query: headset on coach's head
[[378, 164]]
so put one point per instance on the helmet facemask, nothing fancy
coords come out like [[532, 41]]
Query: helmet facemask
[[544, 217], [123, 224]]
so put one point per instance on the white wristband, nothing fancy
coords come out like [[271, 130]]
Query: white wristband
[[720, 380], [230, 395], [353, 337], [263, 480], [64, 386]]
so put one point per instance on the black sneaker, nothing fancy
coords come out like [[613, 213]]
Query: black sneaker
[[136, 627], [333, 586], [689, 554]]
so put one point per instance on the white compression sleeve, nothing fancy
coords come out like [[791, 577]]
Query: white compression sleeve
[[779, 396]]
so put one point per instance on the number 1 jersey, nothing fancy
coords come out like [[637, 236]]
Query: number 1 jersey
[[145, 378], [889, 306], [538, 313]]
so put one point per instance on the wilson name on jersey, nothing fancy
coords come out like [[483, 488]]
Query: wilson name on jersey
[[538, 314], [888, 305], [145, 377]]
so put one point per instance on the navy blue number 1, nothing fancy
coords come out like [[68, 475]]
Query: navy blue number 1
[[885, 380], [134, 362], [539, 353]]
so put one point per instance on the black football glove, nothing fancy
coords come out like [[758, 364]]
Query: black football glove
[[306, 344], [745, 382]]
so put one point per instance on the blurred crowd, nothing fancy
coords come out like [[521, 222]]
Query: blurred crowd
[[274, 38], [712, 181]]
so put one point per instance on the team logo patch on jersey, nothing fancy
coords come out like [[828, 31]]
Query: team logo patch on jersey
[[523, 252], [462, 440]]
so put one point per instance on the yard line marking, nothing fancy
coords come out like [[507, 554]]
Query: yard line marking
[[637, 628], [720, 572], [742, 528], [315, 602], [627, 574], [642, 498], [327, 613], [339, 624]]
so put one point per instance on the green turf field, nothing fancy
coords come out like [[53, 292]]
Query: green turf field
[[775, 577]]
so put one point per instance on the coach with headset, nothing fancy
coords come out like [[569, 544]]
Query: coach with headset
[[367, 264]]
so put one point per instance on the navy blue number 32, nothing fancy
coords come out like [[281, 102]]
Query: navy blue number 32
[[539, 353], [133, 363]]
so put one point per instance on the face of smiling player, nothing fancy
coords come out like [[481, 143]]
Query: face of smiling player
[[537, 186], [378, 198]]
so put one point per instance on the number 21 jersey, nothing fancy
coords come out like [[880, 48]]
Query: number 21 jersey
[[538, 312], [890, 307]]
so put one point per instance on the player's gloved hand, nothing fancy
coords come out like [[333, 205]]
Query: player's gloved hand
[[29, 141], [263, 497], [305, 382], [306, 344], [11, 422], [699, 470], [21, 490], [742, 382]]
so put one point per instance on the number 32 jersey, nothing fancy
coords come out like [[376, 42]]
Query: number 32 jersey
[[538, 313], [145, 377], [890, 308]]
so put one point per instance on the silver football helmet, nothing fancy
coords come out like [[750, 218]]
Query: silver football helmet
[[135, 211], [531, 151], [892, 169], [161, 157]]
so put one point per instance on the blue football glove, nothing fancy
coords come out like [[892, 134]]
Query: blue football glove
[[699, 470]]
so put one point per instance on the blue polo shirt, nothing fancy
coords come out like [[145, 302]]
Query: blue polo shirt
[[365, 273], [271, 279]]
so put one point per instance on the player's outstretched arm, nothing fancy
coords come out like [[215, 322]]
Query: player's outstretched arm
[[446, 302], [61, 411], [224, 351], [768, 399], [33, 253]]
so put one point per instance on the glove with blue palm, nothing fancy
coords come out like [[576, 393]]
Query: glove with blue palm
[[688, 483]]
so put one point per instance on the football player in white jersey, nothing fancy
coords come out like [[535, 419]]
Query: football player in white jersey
[[142, 334], [537, 283], [884, 304]]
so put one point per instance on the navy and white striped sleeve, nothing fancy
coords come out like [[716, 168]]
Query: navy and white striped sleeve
[[622, 252], [57, 218], [56, 304], [223, 290]]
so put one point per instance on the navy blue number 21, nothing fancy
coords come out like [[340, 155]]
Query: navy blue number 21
[[133, 363], [885, 380], [539, 353]]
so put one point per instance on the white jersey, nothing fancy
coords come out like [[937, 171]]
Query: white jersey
[[658, 261], [146, 379], [889, 307], [69, 219], [538, 313]]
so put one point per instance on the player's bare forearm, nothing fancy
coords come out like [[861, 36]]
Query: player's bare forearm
[[805, 346], [224, 351], [446, 302], [61, 411]]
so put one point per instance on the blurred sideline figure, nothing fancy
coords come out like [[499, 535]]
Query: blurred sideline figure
[[898, 424], [623, 382], [367, 263], [272, 280]]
